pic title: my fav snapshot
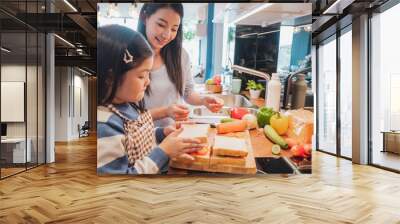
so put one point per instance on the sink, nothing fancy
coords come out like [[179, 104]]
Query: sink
[[203, 115], [235, 100]]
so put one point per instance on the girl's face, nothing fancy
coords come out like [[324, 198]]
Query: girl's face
[[134, 83], [162, 27]]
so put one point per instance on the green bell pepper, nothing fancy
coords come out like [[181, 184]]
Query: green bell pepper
[[264, 115]]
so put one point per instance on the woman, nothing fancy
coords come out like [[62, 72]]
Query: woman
[[126, 131], [172, 81]]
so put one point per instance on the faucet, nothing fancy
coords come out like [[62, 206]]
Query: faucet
[[259, 74], [288, 86], [241, 69]]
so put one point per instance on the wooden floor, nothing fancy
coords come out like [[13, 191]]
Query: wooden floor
[[387, 159], [69, 191]]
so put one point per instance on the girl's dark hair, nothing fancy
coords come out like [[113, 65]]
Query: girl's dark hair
[[112, 43], [171, 53]]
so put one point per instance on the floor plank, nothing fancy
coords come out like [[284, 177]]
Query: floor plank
[[69, 191]]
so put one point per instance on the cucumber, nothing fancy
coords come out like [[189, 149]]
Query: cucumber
[[276, 149], [271, 134]]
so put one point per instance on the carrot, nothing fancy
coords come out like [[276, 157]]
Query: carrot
[[233, 126]]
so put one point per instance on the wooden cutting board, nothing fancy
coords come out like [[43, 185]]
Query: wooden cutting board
[[216, 164]]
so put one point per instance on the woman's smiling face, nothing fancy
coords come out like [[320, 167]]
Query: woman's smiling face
[[162, 27]]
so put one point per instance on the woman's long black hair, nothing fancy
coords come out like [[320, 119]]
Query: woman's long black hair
[[171, 53], [112, 43]]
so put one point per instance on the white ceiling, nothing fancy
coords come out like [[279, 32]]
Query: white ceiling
[[276, 12], [194, 12]]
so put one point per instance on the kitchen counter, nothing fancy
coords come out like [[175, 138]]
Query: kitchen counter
[[260, 144]]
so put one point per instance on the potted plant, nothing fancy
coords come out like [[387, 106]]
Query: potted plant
[[254, 88]]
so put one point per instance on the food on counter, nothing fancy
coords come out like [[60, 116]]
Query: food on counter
[[214, 88], [251, 120], [210, 82], [214, 84], [308, 149], [301, 125], [298, 151], [264, 115], [302, 150], [230, 146], [280, 123], [227, 160], [234, 126], [201, 156], [226, 120], [201, 152], [276, 149], [217, 79], [272, 135], [198, 131], [291, 142], [239, 112]]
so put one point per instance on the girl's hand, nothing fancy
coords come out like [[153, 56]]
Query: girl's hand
[[214, 104], [178, 112], [174, 146], [169, 129]]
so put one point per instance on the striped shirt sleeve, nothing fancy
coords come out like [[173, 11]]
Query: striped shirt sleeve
[[111, 156]]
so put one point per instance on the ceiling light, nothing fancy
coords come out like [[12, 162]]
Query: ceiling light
[[262, 7], [65, 41], [5, 50], [70, 5]]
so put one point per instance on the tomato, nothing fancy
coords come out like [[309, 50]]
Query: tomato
[[307, 149], [201, 152], [298, 151], [239, 112]]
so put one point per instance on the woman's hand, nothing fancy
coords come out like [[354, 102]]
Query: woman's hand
[[214, 104], [175, 146], [178, 112]]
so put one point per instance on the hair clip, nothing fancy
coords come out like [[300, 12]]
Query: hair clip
[[127, 57]]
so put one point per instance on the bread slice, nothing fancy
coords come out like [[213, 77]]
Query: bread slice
[[229, 146], [227, 160], [200, 159], [198, 131]]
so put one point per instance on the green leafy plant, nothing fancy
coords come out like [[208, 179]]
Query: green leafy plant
[[189, 35], [251, 84]]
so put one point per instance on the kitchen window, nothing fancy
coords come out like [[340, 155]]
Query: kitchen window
[[385, 89], [327, 96], [346, 93]]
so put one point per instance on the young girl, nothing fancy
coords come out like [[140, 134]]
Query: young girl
[[126, 141]]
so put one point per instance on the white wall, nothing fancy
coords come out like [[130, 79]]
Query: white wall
[[33, 127], [16, 73], [69, 85]]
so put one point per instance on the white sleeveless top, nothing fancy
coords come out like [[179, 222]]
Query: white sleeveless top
[[163, 91]]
